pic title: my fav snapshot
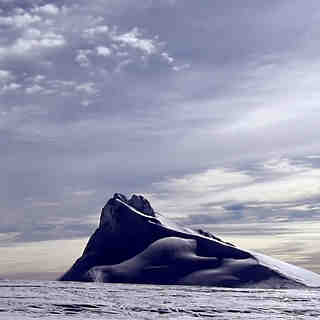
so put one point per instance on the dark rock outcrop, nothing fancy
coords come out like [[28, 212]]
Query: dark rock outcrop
[[119, 237], [122, 234], [131, 232]]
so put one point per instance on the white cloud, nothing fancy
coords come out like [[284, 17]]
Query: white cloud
[[85, 103], [45, 204], [103, 51], [133, 39], [95, 31], [62, 84], [263, 117], [87, 87], [6, 78], [20, 21], [179, 197], [284, 185], [39, 84], [122, 54], [51, 39], [299, 187], [32, 33], [47, 9], [209, 181], [5, 75], [31, 41], [127, 47], [181, 67], [166, 57], [283, 165], [10, 87], [39, 78], [82, 58], [305, 207], [277, 96], [34, 89], [122, 65], [83, 193]]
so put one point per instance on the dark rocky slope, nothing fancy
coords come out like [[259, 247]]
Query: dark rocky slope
[[129, 229]]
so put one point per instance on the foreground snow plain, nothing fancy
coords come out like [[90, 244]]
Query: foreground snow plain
[[73, 300]]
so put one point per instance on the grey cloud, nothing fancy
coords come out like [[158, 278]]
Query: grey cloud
[[253, 229], [246, 214], [235, 207], [273, 191], [50, 232], [133, 120]]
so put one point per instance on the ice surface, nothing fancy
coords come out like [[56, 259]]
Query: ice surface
[[290, 271], [25, 300]]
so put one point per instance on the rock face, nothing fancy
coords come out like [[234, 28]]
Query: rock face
[[133, 243], [119, 237]]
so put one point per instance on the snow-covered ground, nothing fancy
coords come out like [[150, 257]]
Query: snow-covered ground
[[71, 300]]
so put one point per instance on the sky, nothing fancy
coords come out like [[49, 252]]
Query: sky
[[210, 109]]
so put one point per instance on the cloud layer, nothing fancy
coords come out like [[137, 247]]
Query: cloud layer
[[211, 111]]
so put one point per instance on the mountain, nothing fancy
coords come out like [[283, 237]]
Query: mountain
[[136, 244]]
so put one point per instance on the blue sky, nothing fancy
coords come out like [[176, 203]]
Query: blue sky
[[210, 110]]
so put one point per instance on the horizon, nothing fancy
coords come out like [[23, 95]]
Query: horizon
[[210, 112]]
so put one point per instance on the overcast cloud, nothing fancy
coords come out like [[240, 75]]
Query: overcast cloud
[[210, 110]]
